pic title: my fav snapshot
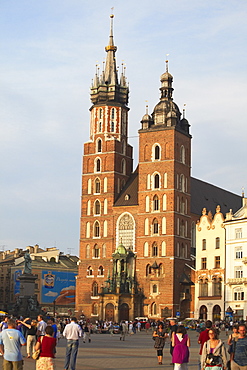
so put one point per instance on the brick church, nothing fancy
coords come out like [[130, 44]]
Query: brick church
[[137, 226]]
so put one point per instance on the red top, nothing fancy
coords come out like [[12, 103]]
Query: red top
[[48, 345], [203, 337]]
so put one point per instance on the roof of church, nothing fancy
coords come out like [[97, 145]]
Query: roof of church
[[203, 195], [129, 194]]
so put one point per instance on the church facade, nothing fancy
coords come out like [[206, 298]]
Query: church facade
[[135, 227]]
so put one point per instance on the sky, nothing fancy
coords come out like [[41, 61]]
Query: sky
[[48, 53]]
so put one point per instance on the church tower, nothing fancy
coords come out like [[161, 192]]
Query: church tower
[[164, 207], [107, 165]]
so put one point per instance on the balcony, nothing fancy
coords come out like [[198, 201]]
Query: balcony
[[236, 281]]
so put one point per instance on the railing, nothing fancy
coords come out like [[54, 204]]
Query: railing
[[242, 280]]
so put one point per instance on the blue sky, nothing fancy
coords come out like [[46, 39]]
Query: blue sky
[[48, 54]]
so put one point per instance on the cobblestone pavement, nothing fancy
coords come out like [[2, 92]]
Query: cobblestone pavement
[[108, 352]]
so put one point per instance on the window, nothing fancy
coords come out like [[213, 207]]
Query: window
[[157, 152], [238, 252], [217, 243], [216, 285], [89, 271], [155, 289], [100, 271], [182, 154], [154, 250], [97, 165], [96, 229], [203, 288], [112, 126], [148, 270], [155, 226], [97, 207], [238, 272], [217, 262], [99, 146], [112, 113], [156, 181], [204, 263], [182, 183], [97, 186], [100, 126], [126, 231], [155, 203], [204, 243], [96, 251], [100, 113], [95, 289], [238, 296], [238, 233]]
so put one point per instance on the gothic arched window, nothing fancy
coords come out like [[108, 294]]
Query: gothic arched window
[[96, 251], [155, 203], [155, 226], [97, 186], [95, 291], [99, 146], [97, 207], [96, 229], [156, 181], [126, 230], [97, 165], [154, 250], [156, 152], [101, 271]]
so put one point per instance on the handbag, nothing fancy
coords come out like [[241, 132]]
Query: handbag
[[213, 360], [36, 354]]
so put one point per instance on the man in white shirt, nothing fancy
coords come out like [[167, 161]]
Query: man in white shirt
[[72, 333], [41, 326]]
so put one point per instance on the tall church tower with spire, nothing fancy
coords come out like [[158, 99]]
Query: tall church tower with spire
[[107, 165], [135, 226]]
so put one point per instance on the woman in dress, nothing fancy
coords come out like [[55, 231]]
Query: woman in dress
[[47, 345], [159, 336], [213, 353], [181, 343]]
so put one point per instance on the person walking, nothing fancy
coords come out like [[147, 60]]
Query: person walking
[[234, 335], [159, 337], [30, 335], [213, 353], [72, 333], [86, 333], [180, 344], [123, 330], [41, 326], [238, 350], [173, 329], [11, 341], [46, 344]]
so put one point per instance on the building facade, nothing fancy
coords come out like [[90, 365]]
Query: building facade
[[236, 263], [210, 266], [135, 226], [55, 279]]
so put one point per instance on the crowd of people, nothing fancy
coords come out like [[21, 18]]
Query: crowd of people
[[41, 337]]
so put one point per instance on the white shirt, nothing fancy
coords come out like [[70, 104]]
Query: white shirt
[[41, 327], [72, 331]]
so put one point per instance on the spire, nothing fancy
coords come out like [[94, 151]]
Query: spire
[[111, 77], [105, 86]]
